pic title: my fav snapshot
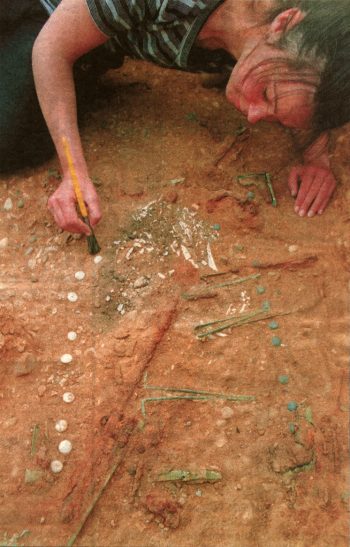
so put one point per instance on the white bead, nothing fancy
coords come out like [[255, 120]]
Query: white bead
[[72, 296], [56, 466], [66, 358], [79, 275], [98, 259], [68, 397], [65, 447], [61, 425], [72, 335]]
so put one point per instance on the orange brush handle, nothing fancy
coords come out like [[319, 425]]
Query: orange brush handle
[[75, 180]]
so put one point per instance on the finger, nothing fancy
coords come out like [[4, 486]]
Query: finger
[[55, 210], [306, 183], [293, 180], [66, 216], [323, 197], [311, 195], [58, 217], [94, 210], [76, 226], [320, 201]]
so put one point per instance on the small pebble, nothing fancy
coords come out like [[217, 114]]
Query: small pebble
[[273, 325], [68, 397], [292, 405], [260, 289], [61, 425], [141, 282], [98, 259], [8, 204], [56, 466], [31, 476], [292, 428], [283, 379], [250, 196], [266, 305], [108, 298], [199, 493], [276, 341], [220, 442], [72, 296], [41, 390], [4, 242], [66, 358], [20, 203], [65, 447], [79, 275], [292, 248], [227, 412], [72, 335], [216, 227]]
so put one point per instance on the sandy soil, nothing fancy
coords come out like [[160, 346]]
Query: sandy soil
[[165, 150]]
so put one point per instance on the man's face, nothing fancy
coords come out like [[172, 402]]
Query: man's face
[[264, 87]]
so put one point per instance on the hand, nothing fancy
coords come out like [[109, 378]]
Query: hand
[[62, 205], [312, 185]]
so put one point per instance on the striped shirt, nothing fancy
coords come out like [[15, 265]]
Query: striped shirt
[[161, 31]]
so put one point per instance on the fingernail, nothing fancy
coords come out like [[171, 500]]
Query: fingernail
[[320, 212], [293, 194], [296, 209], [311, 214], [301, 213]]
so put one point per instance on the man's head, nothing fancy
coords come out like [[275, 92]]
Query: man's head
[[298, 72], [269, 82], [323, 37]]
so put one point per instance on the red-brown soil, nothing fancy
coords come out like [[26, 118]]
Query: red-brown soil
[[165, 149]]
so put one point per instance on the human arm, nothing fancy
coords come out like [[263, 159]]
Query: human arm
[[68, 34], [313, 183]]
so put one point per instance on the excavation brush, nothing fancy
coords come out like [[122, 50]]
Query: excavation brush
[[93, 245]]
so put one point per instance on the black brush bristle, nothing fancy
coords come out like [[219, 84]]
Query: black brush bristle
[[93, 246]]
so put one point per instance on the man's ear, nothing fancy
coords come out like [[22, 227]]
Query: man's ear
[[284, 22]]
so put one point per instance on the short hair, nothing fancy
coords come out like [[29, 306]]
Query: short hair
[[322, 39]]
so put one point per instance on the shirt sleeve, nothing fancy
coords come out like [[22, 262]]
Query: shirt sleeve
[[115, 16]]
